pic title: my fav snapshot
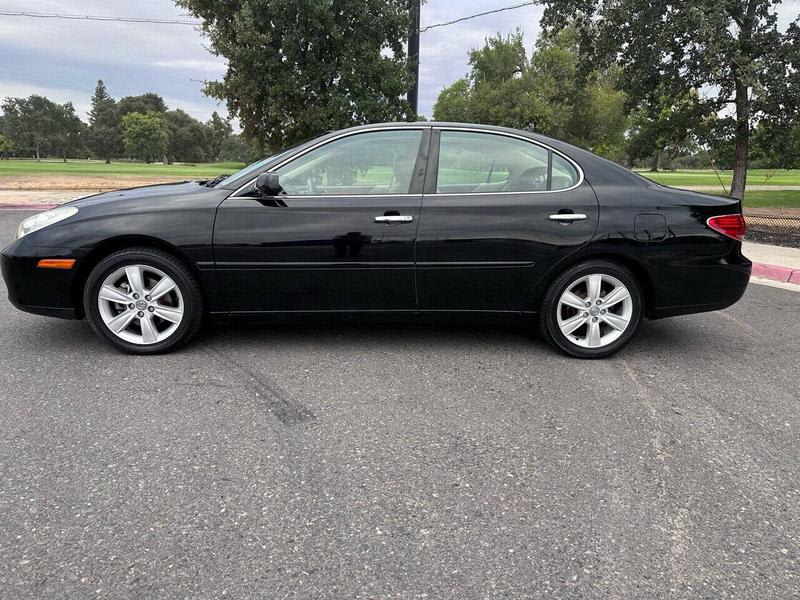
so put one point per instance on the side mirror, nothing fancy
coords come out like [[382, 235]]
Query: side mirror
[[267, 184]]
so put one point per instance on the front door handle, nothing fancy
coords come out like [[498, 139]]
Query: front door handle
[[568, 217], [394, 219]]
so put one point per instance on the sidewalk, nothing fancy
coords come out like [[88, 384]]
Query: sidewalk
[[774, 262]]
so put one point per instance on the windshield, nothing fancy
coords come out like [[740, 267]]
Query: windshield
[[256, 166], [248, 170]]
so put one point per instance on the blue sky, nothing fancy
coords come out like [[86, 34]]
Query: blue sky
[[63, 59]]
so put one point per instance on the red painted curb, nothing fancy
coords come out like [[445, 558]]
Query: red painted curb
[[776, 273]]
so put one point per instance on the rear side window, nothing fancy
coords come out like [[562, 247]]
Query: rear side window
[[564, 174], [473, 162]]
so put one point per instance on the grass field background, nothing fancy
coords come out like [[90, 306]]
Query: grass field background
[[709, 178], [95, 168], [19, 168]]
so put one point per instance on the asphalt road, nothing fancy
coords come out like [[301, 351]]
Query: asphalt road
[[403, 462]]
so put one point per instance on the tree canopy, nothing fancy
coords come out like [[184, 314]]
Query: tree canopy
[[145, 135], [546, 93], [37, 126], [298, 70], [105, 124], [726, 51]]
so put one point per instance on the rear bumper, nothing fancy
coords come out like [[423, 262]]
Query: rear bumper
[[47, 292], [705, 285]]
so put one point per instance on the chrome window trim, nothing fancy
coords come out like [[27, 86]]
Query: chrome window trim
[[510, 135], [577, 167], [250, 183]]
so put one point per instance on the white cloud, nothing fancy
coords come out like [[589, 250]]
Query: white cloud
[[80, 100]]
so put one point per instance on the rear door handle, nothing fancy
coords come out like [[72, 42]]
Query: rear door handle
[[391, 219], [568, 217]]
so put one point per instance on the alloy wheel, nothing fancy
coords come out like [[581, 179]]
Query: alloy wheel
[[140, 304], [594, 311]]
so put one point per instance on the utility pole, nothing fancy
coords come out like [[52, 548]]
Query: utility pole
[[413, 53]]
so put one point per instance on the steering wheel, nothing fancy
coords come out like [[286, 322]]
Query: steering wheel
[[533, 179]]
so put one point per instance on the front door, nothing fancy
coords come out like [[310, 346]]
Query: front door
[[340, 239], [502, 210]]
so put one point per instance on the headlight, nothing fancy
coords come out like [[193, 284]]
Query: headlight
[[37, 222]]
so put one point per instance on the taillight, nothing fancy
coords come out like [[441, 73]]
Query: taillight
[[731, 225]]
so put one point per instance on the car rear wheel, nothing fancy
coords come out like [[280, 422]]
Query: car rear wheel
[[143, 301], [592, 310]]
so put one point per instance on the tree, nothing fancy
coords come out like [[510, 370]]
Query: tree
[[149, 102], [6, 147], [72, 133], [547, 93], [33, 124], [188, 138], [105, 134], [145, 135], [723, 47], [454, 103], [219, 130], [236, 148], [777, 135], [295, 73]]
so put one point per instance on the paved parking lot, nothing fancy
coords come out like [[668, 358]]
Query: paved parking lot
[[397, 461]]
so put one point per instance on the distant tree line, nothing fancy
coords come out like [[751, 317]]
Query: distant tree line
[[135, 127]]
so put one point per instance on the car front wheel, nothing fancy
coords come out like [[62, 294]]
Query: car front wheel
[[592, 310], [143, 301]]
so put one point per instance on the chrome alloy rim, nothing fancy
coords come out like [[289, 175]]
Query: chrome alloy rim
[[140, 304], [595, 310]]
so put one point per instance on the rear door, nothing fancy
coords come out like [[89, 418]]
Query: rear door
[[340, 239], [499, 210]]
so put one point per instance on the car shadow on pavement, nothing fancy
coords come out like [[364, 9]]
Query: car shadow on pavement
[[45, 336]]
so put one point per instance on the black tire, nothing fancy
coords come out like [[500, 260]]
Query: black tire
[[548, 315], [175, 269]]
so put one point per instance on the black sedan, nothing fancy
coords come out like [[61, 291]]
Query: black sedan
[[397, 221]]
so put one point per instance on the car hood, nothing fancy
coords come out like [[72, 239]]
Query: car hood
[[160, 192]]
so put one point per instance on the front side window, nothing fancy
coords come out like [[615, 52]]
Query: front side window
[[377, 162], [472, 162]]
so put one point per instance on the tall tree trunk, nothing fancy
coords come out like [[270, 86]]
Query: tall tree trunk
[[742, 138], [656, 159], [108, 159], [742, 100]]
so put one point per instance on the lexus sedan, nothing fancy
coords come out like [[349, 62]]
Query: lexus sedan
[[395, 221]]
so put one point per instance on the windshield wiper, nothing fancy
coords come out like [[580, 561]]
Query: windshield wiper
[[216, 180]]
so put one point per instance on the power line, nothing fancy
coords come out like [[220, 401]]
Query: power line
[[109, 18], [475, 16], [9, 13]]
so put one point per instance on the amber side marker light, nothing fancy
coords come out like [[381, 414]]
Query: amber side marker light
[[56, 263]]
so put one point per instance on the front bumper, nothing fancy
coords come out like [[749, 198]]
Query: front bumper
[[48, 292]]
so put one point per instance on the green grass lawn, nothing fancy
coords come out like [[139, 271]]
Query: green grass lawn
[[709, 178], [115, 169], [780, 199]]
